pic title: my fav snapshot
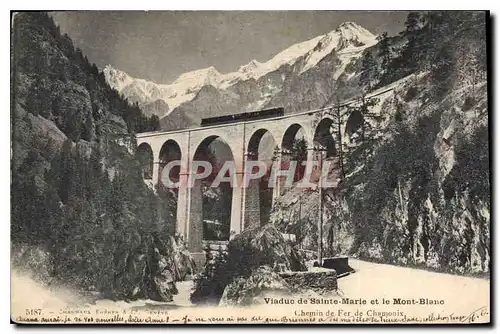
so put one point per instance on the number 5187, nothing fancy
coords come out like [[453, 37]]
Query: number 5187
[[33, 311]]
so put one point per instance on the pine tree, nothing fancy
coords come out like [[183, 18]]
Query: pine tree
[[416, 52], [367, 70], [412, 23], [63, 170], [385, 52], [299, 154], [362, 108], [338, 120]]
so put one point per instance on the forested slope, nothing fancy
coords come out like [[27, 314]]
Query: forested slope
[[81, 212]]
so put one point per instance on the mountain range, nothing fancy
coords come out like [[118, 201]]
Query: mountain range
[[303, 76]]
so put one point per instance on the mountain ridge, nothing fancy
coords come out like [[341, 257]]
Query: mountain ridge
[[255, 83]]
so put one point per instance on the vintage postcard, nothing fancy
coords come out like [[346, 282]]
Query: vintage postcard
[[249, 167]]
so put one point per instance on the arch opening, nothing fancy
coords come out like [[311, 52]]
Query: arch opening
[[294, 148], [353, 126], [326, 154], [169, 197], [259, 196], [211, 204], [144, 154], [324, 140], [170, 151]]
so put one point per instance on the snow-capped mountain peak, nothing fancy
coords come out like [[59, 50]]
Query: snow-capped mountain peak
[[348, 34], [355, 34], [198, 77], [252, 65], [116, 78], [348, 40], [352, 26]]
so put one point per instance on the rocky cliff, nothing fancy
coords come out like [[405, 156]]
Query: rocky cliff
[[81, 213], [418, 193]]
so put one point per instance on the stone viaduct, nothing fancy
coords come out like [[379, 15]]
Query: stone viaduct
[[319, 129]]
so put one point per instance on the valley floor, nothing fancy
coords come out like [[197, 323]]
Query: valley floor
[[375, 280], [370, 281]]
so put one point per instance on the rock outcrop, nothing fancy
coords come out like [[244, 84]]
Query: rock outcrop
[[266, 245], [262, 283], [248, 251], [321, 281]]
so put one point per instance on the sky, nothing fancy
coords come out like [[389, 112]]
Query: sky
[[159, 46]]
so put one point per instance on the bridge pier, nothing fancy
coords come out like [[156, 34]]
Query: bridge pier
[[250, 202], [183, 196], [237, 206], [277, 183], [195, 219], [156, 172], [309, 166]]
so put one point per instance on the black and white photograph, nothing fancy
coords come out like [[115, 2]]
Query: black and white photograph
[[250, 167]]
